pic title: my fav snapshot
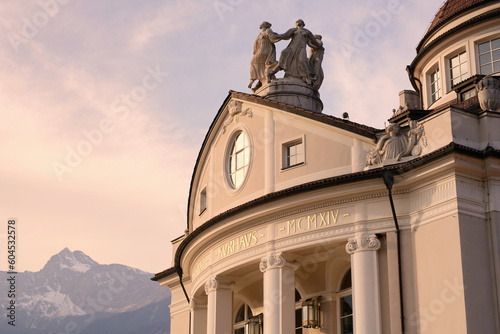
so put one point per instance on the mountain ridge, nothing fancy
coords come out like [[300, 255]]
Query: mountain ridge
[[74, 288]]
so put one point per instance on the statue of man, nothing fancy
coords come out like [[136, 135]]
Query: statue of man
[[293, 59], [264, 57], [393, 143], [315, 61]]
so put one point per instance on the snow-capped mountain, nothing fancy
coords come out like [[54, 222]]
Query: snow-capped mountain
[[74, 290]]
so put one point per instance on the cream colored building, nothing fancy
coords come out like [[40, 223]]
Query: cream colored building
[[290, 209]]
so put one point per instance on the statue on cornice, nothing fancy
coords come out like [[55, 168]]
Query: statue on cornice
[[394, 145], [264, 56], [293, 59]]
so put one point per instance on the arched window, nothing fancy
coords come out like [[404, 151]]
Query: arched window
[[242, 316], [345, 305]]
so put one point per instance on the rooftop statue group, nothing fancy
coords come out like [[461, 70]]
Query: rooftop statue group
[[293, 59]]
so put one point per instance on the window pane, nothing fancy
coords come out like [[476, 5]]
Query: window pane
[[495, 44], [496, 66], [346, 305], [239, 331], [486, 69], [484, 59], [249, 313], [298, 318], [464, 69], [455, 73], [238, 146], [496, 55], [463, 57], [346, 281], [484, 47], [347, 326], [454, 61], [240, 315]]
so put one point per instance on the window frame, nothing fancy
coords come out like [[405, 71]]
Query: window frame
[[482, 41], [203, 201], [284, 152], [439, 91], [341, 294], [233, 188], [241, 324], [450, 67]]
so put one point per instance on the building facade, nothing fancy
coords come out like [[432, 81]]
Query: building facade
[[302, 222]]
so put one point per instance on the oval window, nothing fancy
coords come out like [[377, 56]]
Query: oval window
[[239, 159]]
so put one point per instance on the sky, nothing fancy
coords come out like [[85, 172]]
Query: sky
[[105, 104]]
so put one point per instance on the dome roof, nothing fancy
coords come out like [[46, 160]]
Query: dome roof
[[447, 12]]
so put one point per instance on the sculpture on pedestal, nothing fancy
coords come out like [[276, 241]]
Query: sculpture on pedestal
[[293, 59], [264, 56], [315, 61]]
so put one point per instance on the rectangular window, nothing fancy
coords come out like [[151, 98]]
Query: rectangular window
[[489, 56], [459, 69], [203, 200], [435, 86], [293, 153], [468, 94]]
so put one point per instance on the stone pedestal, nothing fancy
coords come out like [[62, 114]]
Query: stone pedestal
[[294, 92]]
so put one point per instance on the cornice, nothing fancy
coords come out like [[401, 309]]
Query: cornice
[[399, 169]]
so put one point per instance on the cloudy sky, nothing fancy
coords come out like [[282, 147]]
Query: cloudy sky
[[105, 105]]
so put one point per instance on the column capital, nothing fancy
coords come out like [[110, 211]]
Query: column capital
[[363, 242], [214, 283], [195, 304], [276, 260]]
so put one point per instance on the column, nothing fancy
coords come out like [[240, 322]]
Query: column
[[365, 285], [279, 294], [198, 317], [219, 307]]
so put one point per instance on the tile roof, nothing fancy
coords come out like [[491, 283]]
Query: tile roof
[[447, 12]]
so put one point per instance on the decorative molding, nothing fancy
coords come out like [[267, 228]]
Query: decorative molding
[[431, 196], [276, 260], [178, 307], [197, 305], [364, 242], [214, 283], [234, 112]]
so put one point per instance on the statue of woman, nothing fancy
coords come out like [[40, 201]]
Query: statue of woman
[[315, 61], [293, 59], [393, 143], [264, 57]]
